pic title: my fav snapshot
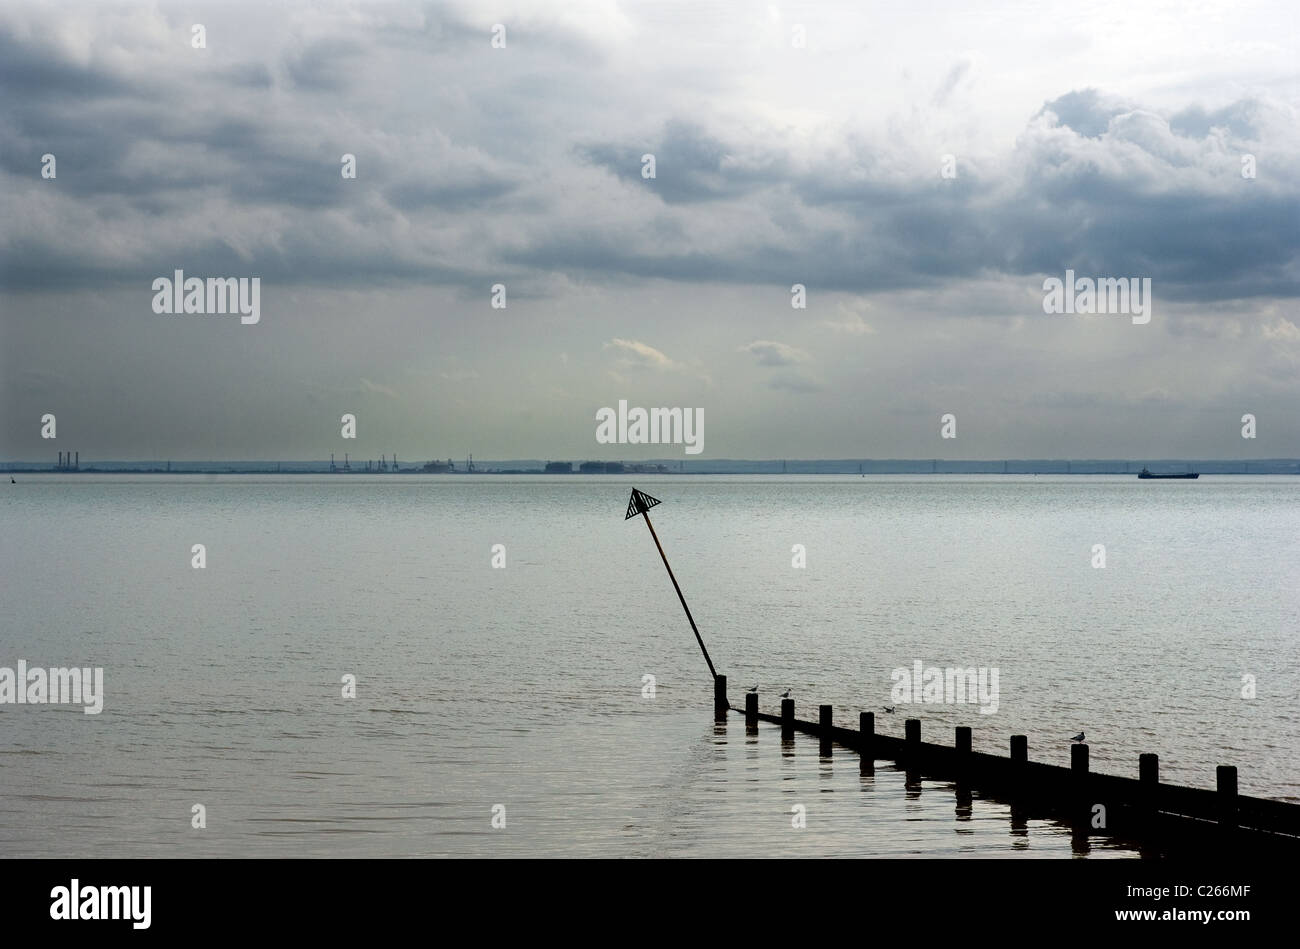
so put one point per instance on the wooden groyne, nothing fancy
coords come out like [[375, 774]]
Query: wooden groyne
[[1157, 817]]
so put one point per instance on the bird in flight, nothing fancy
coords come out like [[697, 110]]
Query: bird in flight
[[889, 708], [1078, 737]]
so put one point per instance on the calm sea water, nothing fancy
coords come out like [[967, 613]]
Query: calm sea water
[[523, 686]]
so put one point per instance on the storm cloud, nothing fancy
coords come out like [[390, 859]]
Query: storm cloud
[[920, 199]]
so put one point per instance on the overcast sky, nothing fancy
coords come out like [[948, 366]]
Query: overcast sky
[[1106, 138]]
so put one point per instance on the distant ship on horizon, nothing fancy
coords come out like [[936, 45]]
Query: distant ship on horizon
[[1145, 474]]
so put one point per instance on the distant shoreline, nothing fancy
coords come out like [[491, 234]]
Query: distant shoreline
[[660, 467]]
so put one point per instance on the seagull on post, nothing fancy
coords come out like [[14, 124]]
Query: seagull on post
[[1078, 737]]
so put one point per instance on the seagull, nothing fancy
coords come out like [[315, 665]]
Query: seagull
[[1078, 737], [889, 708], [786, 694], [754, 689]]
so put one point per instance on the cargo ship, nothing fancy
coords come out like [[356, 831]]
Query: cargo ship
[[1189, 476]]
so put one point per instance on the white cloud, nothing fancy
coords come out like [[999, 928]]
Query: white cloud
[[636, 354], [770, 353]]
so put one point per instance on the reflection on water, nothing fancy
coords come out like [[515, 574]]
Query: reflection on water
[[849, 812]]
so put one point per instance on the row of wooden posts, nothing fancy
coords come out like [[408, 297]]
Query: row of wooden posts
[[1165, 817]]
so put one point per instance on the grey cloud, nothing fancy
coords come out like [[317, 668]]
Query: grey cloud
[[249, 76], [951, 81], [325, 65], [466, 190], [770, 353], [34, 72], [1240, 118], [1085, 111], [1105, 187], [690, 165], [1093, 184]]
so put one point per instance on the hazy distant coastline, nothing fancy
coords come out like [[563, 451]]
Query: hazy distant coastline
[[698, 466]]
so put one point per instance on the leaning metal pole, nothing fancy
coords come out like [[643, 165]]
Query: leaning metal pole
[[640, 503]]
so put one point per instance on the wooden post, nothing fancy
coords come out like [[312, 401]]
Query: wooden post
[[1148, 792], [720, 703], [751, 708], [963, 744], [1079, 785], [787, 719], [1019, 778], [867, 735], [1226, 778], [1149, 771], [824, 729], [912, 754]]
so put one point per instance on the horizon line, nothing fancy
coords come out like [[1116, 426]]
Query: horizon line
[[695, 459]]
